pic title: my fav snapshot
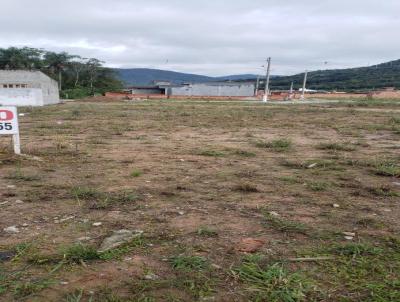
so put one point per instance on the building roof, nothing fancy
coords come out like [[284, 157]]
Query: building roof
[[23, 76], [144, 87]]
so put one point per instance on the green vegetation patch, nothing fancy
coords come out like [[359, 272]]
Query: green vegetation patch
[[278, 145], [117, 253], [189, 263], [207, 232], [318, 186], [211, 153], [103, 200], [361, 271], [272, 283], [136, 173], [337, 146], [387, 168], [284, 225], [78, 253]]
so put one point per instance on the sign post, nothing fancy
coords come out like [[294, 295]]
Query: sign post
[[9, 125]]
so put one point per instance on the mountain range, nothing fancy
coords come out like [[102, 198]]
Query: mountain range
[[349, 79], [146, 76]]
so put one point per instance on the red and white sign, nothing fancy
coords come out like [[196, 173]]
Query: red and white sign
[[9, 125]]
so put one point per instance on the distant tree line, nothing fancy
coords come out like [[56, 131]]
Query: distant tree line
[[352, 79], [77, 76]]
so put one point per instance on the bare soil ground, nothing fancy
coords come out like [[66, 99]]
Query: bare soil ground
[[237, 202]]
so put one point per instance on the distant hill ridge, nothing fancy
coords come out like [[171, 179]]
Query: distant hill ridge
[[146, 76], [350, 79]]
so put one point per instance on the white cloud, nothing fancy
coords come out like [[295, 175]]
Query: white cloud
[[213, 37]]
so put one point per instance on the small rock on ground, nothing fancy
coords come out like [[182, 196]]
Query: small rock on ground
[[11, 230], [117, 239], [6, 255]]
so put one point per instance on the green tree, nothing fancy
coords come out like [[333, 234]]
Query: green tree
[[77, 76]]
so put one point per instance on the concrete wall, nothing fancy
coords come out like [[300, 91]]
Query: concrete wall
[[21, 97], [33, 80], [241, 90]]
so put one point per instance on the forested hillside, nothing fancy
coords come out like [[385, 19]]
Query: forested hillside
[[363, 78]]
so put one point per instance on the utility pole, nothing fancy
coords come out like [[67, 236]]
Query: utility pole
[[257, 86], [266, 90], [291, 91], [304, 86]]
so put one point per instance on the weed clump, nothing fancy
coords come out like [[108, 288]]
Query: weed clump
[[285, 225], [355, 249], [103, 200], [78, 253], [211, 153], [387, 168], [278, 145], [273, 283], [136, 173], [317, 186], [207, 232], [336, 146], [189, 263]]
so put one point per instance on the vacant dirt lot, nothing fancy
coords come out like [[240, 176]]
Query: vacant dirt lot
[[236, 202]]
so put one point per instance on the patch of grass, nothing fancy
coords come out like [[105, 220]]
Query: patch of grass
[[246, 188], [189, 263], [103, 200], [77, 253], [370, 222], [278, 145], [387, 168], [211, 153], [272, 283], [355, 249], [106, 294], [199, 287], [394, 120], [24, 289], [207, 232], [317, 186], [313, 164], [293, 164], [21, 250], [384, 191], [196, 285], [361, 272], [337, 146], [244, 153], [85, 193], [136, 173], [290, 179], [117, 253], [286, 226], [122, 197], [75, 296]]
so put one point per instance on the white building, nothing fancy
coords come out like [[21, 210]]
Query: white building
[[220, 89], [27, 88]]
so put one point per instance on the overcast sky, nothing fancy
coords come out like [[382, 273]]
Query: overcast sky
[[212, 37]]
